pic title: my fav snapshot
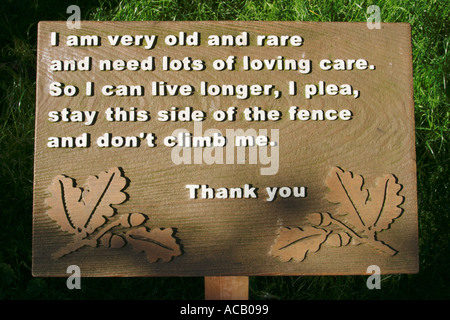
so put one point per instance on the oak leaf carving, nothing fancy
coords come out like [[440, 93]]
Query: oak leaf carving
[[295, 243], [367, 210], [82, 212], [361, 214], [91, 217], [155, 243]]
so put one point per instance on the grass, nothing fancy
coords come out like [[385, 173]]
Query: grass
[[431, 60]]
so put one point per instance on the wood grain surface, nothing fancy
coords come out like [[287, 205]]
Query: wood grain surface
[[151, 227]]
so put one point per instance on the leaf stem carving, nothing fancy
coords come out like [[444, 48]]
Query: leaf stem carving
[[89, 240], [369, 240], [350, 198], [309, 237], [140, 238], [99, 199]]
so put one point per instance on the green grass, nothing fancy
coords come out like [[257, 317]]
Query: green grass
[[431, 60]]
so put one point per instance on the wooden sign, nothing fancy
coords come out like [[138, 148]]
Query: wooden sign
[[224, 149]]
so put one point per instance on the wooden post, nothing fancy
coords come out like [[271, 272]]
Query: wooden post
[[226, 288]]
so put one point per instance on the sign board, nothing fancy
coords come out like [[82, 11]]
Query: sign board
[[224, 148]]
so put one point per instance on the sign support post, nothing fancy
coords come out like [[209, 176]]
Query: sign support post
[[226, 288]]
